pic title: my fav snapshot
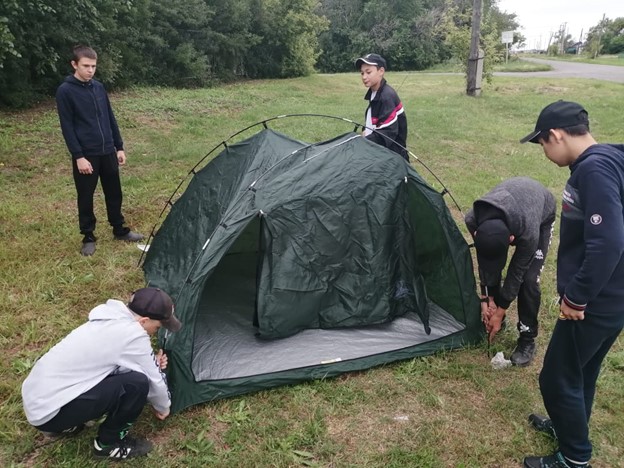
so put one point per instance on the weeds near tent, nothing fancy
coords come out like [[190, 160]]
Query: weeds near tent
[[449, 409], [201, 445], [239, 415]]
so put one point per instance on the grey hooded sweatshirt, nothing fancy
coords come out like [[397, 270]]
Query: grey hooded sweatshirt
[[111, 342], [526, 206]]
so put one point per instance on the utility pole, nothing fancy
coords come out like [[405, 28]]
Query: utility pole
[[597, 51], [580, 43], [562, 34], [552, 34], [475, 58]]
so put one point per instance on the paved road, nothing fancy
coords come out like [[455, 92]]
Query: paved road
[[563, 69]]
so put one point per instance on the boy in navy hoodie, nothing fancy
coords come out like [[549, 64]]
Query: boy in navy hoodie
[[590, 278], [93, 139]]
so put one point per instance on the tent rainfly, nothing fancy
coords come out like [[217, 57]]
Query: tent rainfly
[[290, 261]]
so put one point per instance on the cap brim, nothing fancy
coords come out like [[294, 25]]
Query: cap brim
[[360, 61], [491, 268], [532, 137], [172, 324]]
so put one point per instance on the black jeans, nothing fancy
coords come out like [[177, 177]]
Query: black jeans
[[530, 295], [568, 378], [105, 169], [121, 397]]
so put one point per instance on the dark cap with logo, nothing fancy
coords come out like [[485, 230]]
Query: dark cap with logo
[[156, 304], [492, 244], [371, 59], [560, 114]]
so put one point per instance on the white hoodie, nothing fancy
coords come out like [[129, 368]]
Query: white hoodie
[[112, 341]]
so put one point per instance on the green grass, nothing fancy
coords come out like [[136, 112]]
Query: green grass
[[512, 65], [521, 66], [600, 60], [450, 409]]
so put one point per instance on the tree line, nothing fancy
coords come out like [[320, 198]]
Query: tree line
[[196, 43]]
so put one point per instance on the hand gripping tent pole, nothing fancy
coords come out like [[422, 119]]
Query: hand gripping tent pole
[[264, 123]]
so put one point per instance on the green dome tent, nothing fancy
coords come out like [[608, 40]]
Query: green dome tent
[[290, 261]]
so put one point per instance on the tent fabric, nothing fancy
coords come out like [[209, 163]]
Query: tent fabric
[[278, 246]]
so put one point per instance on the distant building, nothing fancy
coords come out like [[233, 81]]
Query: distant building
[[575, 48]]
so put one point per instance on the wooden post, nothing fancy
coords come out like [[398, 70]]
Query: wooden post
[[471, 80]]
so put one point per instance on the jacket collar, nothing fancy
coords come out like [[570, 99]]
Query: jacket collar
[[75, 81], [370, 91]]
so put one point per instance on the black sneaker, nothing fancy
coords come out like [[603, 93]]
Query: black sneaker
[[130, 236], [524, 353], [556, 460], [128, 447], [542, 424], [72, 431]]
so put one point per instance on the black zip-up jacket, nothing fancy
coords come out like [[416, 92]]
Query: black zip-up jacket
[[87, 120], [590, 261], [388, 118]]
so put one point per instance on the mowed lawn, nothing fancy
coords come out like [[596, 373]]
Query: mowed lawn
[[451, 409]]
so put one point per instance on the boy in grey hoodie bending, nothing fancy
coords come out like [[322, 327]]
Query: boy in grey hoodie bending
[[105, 366], [520, 212]]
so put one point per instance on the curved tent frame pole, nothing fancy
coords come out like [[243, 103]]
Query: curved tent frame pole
[[357, 125]]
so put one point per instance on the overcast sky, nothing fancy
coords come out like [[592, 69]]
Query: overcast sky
[[539, 18]]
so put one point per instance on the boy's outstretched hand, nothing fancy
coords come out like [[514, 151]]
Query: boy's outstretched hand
[[159, 415], [487, 309], [495, 323], [162, 360]]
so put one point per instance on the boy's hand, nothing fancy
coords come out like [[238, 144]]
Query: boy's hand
[[121, 157], [162, 360], [568, 313], [161, 416], [495, 323], [84, 166], [487, 309]]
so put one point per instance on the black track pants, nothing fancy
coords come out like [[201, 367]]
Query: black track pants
[[121, 397]]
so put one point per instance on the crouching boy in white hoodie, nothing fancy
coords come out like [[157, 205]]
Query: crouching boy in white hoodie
[[105, 367]]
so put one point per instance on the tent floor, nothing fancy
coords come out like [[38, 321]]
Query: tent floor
[[226, 346]]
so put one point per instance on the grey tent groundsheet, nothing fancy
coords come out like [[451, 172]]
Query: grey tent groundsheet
[[226, 344]]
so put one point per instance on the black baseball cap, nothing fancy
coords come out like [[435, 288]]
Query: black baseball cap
[[155, 304], [560, 114], [492, 244], [371, 59]]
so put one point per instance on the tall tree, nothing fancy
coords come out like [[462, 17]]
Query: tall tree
[[36, 36], [403, 31], [606, 37], [289, 31]]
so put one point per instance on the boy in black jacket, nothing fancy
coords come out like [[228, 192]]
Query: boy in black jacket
[[385, 114], [93, 139], [590, 278]]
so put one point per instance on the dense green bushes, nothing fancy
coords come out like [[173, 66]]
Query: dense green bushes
[[193, 43]]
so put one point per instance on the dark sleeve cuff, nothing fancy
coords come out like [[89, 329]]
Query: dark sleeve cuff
[[502, 303], [489, 290], [573, 305]]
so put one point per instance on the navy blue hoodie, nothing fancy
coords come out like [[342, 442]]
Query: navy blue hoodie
[[87, 120], [590, 262]]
